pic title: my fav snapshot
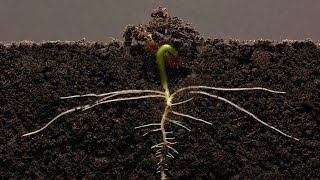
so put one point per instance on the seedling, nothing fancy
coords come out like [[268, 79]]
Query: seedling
[[164, 149]]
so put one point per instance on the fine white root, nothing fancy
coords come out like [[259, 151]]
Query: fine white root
[[147, 125], [191, 117], [182, 102], [88, 106], [161, 161], [172, 142], [157, 145], [121, 99], [179, 124], [172, 149], [132, 91], [61, 114], [241, 109], [224, 89], [159, 155], [154, 130], [170, 155], [117, 93]]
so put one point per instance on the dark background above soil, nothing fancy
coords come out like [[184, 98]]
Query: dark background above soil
[[39, 20]]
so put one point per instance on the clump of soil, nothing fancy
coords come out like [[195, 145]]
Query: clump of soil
[[166, 30], [102, 143]]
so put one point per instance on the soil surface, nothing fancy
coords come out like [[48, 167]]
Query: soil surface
[[102, 143]]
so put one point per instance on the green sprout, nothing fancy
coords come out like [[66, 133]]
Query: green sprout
[[161, 58], [164, 149]]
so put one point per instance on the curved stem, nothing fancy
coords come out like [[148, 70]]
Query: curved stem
[[161, 57]]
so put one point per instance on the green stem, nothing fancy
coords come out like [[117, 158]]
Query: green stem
[[161, 58]]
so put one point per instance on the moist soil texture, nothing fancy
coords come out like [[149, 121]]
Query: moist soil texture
[[102, 142]]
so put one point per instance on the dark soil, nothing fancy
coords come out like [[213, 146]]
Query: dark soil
[[102, 143]]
